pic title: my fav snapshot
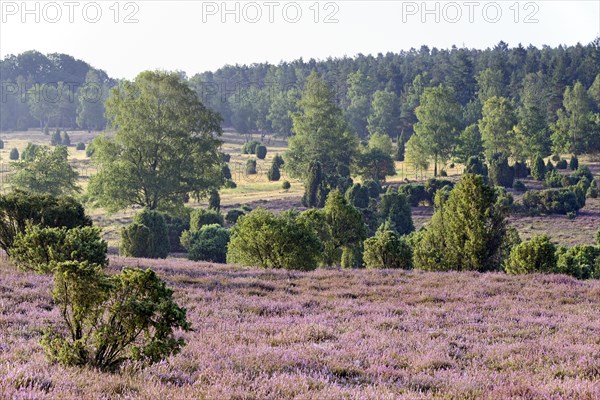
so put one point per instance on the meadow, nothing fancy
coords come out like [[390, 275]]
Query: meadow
[[334, 334]]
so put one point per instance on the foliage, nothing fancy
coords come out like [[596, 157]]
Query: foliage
[[208, 244], [14, 154], [535, 255], [358, 196], [387, 250], [538, 169], [56, 138], [261, 152], [66, 139], [176, 225], [395, 212], [286, 185], [573, 163], [581, 261], [39, 248], [314, 190], [232, 216], [374, 164], [496, 126], [214, 201], [146, 237], [274, 174], [321, 134], [438, 124], [146, 164], [469, 145], [552, 201], [46, 171], [519, 186], [374, 188], [573, 131], [352, 256], [554, 180], [561, 164], [250, 147], [500, 173], [127, 317], [1, 144], [467, 230], [80, 146], [225, 171], [345, 220], [250, 166], [200, 217], [476, 166], [18, 208], [270, 241]]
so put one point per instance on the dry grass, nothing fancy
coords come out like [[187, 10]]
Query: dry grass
[[333, 334]]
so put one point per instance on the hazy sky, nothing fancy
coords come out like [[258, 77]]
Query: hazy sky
[[196, 36]]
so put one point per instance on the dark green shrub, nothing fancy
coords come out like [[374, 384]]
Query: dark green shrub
[[1, 144], [503, 198], [229, 184], [225, 157], [387, 250], [373, 187], [146, 237], [395, 211], [261, 152], [38, 248], [19, 208], [106, 314], [415, 193], [56, 138], [278, 160], [271, 241], [553, 179], [535, 255], [476, 166], [214, 201], [314, 191], [286, 185], [200, 217], [66, 139], [14, 154], [538, 168], [552, 201], [519, 186], [208, 244], [549, 166], [352, 257], [433, 185], [273, 174], [573, 163], [500, 173], [555, 157], [580, 261], [226, 172], [592, 192], [467, 230], [250, 147], [176, 225], [90, 150], [80, 146], [583, 172], [251, 167], [232, 216], [358, 196], [521, 170], [562, 164]]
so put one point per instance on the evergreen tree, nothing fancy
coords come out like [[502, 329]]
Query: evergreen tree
[[538, 168], [496, 127], [467, 230], [313, 189], [395, 210]]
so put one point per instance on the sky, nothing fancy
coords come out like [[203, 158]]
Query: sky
[[127, 37]]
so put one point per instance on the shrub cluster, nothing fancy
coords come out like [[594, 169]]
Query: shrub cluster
[[387, 249], [146, 237], [250, 147], [554, 201]]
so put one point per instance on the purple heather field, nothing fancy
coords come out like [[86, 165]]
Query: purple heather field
[[332, 334]]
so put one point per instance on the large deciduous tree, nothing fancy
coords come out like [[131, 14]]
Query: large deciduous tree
[[165, 145], [439, 124], [573, 130], [496, 127]]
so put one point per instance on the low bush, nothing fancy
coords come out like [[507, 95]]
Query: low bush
[[19, 208], [39, 248], [551, 201], [553, 179], [562, 164], [111, 320], [573, 163], [286, 185], [273, 174], [207, 244], [200, 217], [176, 225], [358, 196], [476, 166], [261, 152], [519, 186], [232, 216], [14, 154], [146, 237], [251, 167], [250, 147], [214, 201], [387, 250], [373, 187], [273, 241], [80, 146], [500, 173], [581, 261], [535, 255], [395, 210]]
